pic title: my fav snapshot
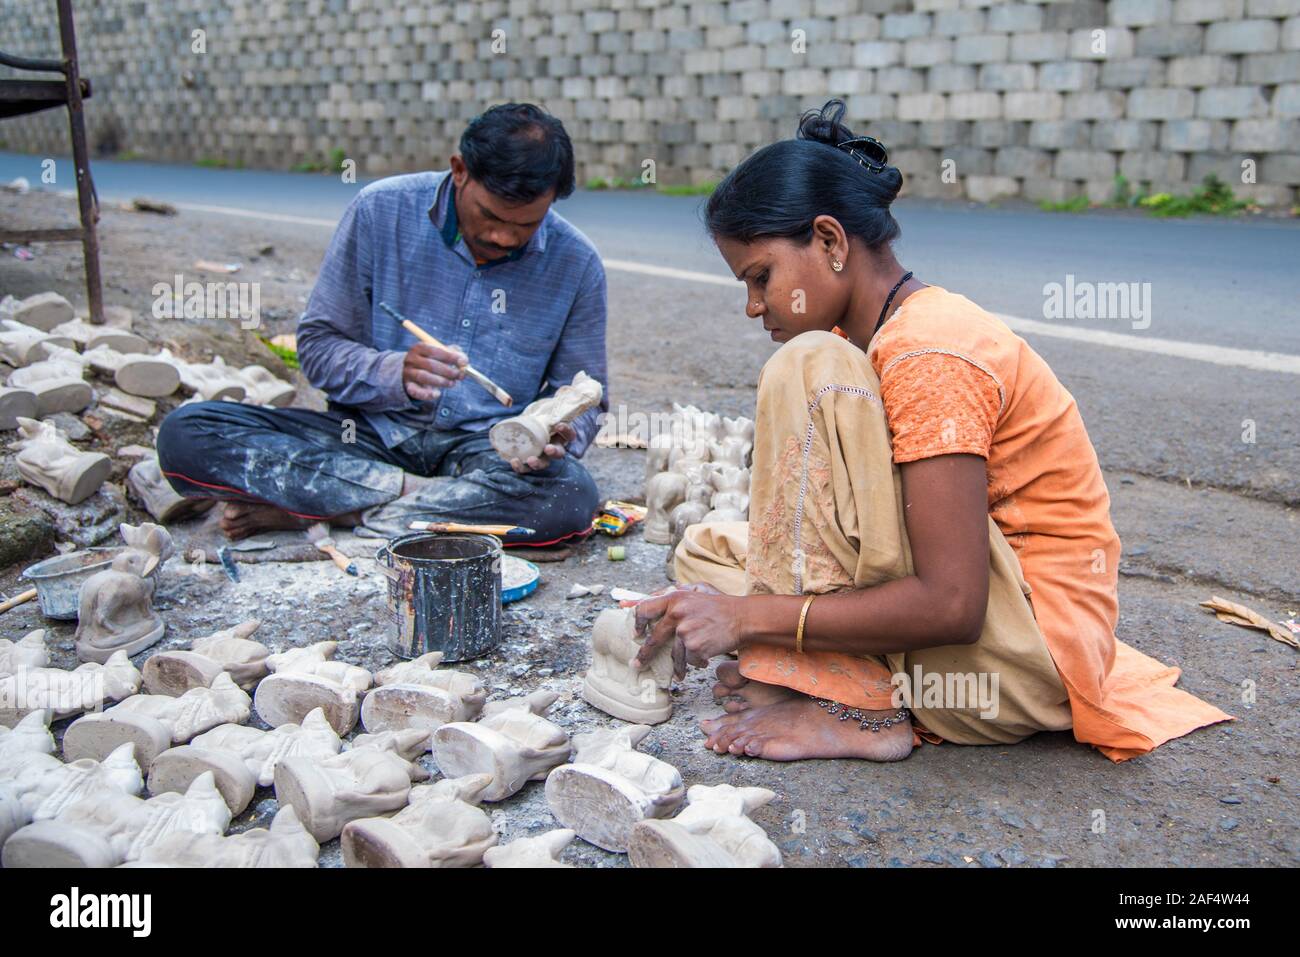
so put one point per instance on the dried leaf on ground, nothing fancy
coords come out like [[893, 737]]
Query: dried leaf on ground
[[1235, 614]]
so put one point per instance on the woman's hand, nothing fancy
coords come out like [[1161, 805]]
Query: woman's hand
[[699, 621]]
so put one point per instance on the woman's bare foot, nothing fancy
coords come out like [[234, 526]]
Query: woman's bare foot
[[797, 728], [734, 692], [241, 519]]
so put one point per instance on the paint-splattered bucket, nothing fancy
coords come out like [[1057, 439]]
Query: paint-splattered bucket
[[444, 594]]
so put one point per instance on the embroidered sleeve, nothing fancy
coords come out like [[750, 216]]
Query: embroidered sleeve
[[939, 403]]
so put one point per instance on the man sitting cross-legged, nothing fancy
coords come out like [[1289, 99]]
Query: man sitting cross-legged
[[476, 256]]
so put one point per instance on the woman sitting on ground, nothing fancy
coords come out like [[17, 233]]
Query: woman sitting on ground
[[929, 553]]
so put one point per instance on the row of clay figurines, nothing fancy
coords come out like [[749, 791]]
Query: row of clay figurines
[[186, 733], [697, 470], [50, 349]]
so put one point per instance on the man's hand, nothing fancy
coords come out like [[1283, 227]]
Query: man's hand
[[699, 621], [562, 436], [427, 370]]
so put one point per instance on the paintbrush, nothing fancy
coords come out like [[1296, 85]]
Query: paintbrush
[[319, 535], [498, 393], [498, 530]]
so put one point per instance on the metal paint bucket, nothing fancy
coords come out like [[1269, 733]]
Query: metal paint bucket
[[444, 594]]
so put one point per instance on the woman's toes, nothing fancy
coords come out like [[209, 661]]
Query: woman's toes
[[728, 672], [754, 746], [735, 705], [740, 742]]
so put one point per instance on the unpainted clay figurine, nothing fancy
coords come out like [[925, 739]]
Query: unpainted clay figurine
[[442, 826], [27, 652], [663, 493], [614, 683], [242, 758], [541, 851], [208, 381], [697, 504], [11, 811], [714, 830], [115, 606], [176, 672], [15, 404], [305, 679], [30, 733], [47, 459], [264, 388], [658, 450], [22, 345], [66, 693], [369, 778], [610, 786], [418, 694], [731, 495], [44, 311], [135, 373], [526, 435], [155, 722], [512, 743], [111, 828], [243, 658], [156, 494], [44, 786], [89, 337], [57, 381], [285, 844], [691, 451]]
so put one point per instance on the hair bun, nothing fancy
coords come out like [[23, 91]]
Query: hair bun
[[825, 125]]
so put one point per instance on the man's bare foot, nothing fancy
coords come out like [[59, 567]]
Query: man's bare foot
[[797, 728], [734, 692], [241, 519]]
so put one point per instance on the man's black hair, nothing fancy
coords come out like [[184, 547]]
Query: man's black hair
[[518, 152]]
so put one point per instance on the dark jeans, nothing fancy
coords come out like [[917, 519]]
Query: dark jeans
[[322, 464]]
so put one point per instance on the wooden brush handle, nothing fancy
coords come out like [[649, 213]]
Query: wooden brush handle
[[18, 600]]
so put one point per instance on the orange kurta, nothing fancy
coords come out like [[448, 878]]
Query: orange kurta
[[955, 379]]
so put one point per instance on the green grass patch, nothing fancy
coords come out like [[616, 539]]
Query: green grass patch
[[690, 189], [1075, 204], [1211, 198], [288, 356]]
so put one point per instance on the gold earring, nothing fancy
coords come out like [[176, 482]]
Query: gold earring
[[836, 265]]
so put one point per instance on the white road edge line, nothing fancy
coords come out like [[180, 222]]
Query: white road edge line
[[1196, 351]]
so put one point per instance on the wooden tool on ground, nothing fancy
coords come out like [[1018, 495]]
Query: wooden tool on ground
[[498, 393], [19, 599], [498, 530], [319, 535]]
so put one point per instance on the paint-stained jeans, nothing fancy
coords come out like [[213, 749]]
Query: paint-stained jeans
[[323, 464]]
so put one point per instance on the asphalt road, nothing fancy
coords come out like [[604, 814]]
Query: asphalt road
[[1214, 283], [1200, 512]]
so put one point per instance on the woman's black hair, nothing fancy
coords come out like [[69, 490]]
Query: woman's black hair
[[782, 188], [518, 152]]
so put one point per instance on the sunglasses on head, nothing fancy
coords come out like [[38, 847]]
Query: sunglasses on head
[[867, 151]]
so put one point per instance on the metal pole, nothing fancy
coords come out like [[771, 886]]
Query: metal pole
[[81, 157]]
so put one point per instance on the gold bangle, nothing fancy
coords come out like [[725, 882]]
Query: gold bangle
[[803, 616]]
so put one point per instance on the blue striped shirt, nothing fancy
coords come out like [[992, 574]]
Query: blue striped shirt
[[529, 322]]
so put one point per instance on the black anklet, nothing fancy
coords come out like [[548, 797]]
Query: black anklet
[[845, 713]]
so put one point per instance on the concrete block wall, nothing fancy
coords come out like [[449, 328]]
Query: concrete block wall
[[1044, 99]]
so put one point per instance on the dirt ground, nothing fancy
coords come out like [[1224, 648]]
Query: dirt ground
[[1221, 796]]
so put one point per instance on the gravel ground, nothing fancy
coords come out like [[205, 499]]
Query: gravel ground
[[1221, 796]]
